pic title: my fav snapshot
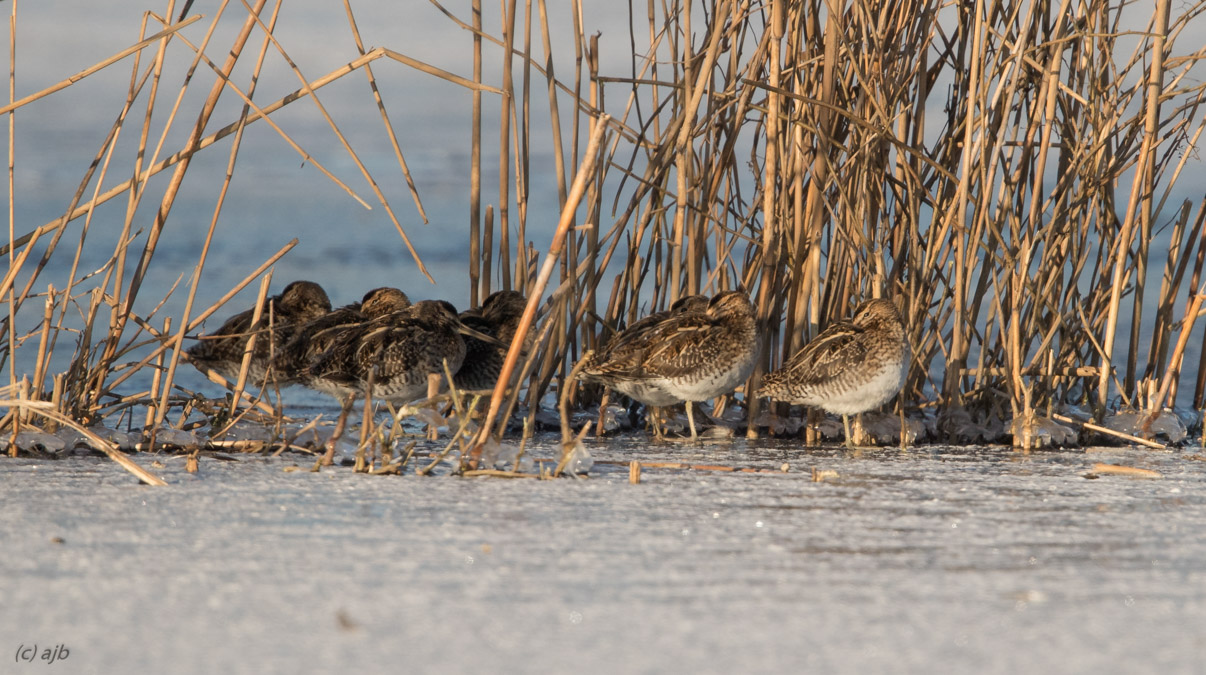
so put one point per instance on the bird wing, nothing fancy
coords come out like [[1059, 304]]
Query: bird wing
[[830, 354], [677, 345], [399, 346], [331, 354], [237, 328], [311, 340]]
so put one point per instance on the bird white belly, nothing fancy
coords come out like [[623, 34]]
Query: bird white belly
[[648, 392], [866, 395], [713, 384]]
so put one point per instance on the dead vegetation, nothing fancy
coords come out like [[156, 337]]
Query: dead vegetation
[[1006, 173]]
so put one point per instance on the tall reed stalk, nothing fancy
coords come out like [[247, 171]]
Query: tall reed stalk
[[1005, 172]]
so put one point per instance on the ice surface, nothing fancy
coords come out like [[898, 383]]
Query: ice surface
[[960, 560]]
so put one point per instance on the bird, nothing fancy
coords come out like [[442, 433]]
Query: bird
[[313, 338], [497, 318], [637, 330], [222, 351], [397, 357], [853, 366], [631, 339], [689, 354]]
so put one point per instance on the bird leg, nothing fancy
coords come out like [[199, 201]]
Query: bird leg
[[655, 418], [691, 421], [858, 424], [849, 438], [694, 437]]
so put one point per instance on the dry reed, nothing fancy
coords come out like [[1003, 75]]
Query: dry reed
[[1005, 173]]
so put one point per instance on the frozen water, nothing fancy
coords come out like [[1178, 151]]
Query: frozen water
[[958, 423], [1167, 424], [176, 437], [503, 456], [611, 418], [968, 560], [346, 448], [778, 425], [39, 441], [498, 455], [579, 460], [884, 428], [1044, 432], [250, 431]]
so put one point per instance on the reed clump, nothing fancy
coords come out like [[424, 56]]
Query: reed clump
[[1007, 174]]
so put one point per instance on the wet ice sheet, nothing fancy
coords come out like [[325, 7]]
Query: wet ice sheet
[[959, 560]]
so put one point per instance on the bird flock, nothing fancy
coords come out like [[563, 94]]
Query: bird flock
[[700, 348]]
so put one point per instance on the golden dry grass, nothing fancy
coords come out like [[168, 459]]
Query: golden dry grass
[[1002, 171]]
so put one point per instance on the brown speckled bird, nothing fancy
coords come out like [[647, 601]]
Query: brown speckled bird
[[312, 339], [851, 367], [689, 355], [401, 354], [635, 333], [498, 318], [222, 351]]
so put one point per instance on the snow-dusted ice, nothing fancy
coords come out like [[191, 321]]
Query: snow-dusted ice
[[932, 560]]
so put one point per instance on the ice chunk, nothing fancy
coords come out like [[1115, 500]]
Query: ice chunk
[[76, 440], [491, 449], [673, 422], [526, 464], [881, 428], [579, 460], [548, 419], [1131, 422], [1192, 419], [733, 414], [35, 441], [1040, 432], [956, 423], [778, 426], [507, 454], [467, 429], [313, 438], [177, 437], [612, 415], [1170, 426], [424, 414], [504, 456], [246, 431], [830, 428], [346, 447]]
